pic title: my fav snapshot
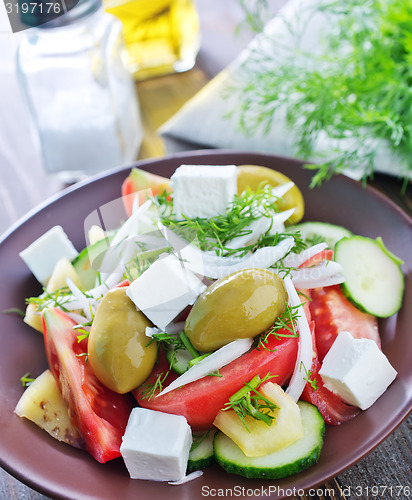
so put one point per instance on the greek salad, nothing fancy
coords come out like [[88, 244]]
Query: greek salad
[[212, 325]]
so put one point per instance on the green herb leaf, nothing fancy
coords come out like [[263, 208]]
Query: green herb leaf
[[249, 402], [26, 380], [14, 310], [356, 89]]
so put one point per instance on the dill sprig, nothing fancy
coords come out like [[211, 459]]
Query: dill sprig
[[284, 326], [51, 299], [249, 402], [26, 380], [311, 381], [14, 310], [150, 389], [199, 438], [355, 90], [81, 329], [216, 232], [176, 343]]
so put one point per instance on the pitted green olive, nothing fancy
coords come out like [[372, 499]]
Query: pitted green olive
[[242, 305], [119, 353]]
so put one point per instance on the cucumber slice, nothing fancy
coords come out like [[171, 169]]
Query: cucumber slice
[[282, 463], [201, 453], [317, 232], [178, 359], [88, 260], [374, 281]]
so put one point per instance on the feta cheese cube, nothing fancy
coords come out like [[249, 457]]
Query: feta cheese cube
[[356, 370], [165, 289], [203, 190], [44, 253], [156, 445]]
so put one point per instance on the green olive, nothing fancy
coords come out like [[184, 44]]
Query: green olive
[[241, 305], [119, 353]]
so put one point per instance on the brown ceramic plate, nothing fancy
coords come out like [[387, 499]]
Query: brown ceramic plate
[[60, 471]]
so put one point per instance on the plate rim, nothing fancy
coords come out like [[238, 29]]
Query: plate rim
[[182, 156]]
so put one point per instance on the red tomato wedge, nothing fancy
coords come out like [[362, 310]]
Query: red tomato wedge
[[100, 414], [141, 181], [333, 313], [329, 312], [200, 401], [332, 408]]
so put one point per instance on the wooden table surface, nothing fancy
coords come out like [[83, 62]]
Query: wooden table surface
[[23, 185]]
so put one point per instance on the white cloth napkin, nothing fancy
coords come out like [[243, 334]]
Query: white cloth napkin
[[203, 121]]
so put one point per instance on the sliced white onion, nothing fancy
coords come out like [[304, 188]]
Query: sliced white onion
[[262, 259], [324, 274], [213, 266], [131, 226], [282, 189], [86, 304], [305, 349], [279, 219], [121, 250], [150, 331], [193, 475], [210, 364], [256, 228], [259, 227], [297, 259], [78, 318], [175, 327]]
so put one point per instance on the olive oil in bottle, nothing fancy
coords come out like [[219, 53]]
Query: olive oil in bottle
[[162, 36]]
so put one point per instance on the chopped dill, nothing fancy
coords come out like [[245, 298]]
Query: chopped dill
[[150, 389], [249, 402], [312, 382], [284, 326], [199, 438], [14, 310], [51, 299], [216, 232], [26, 380]]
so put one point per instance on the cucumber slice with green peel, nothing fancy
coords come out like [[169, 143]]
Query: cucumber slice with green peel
[[178, 359], [374, 281], [282, 463], [317, 232], [201, 453], [88, 261]]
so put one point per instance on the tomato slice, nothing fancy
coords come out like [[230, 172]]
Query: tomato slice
[[332, 408], [333, 313], [329, 312], [100, 414], [200, 401], [142, 182]]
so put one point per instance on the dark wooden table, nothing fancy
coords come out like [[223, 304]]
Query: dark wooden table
[[23, 185]]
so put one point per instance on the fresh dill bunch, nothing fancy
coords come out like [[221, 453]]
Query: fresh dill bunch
[[356, 91], [216, 232], [256, 13]]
